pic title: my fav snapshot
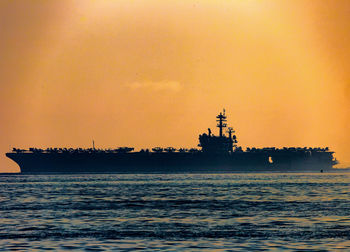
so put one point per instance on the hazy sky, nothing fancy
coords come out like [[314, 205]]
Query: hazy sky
[[155, 73]]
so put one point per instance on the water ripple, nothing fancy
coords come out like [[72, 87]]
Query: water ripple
[[175, 212]]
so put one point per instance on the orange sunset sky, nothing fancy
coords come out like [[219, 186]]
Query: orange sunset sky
[[155, 73]]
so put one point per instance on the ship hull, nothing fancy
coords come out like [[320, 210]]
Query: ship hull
[[164, 163]]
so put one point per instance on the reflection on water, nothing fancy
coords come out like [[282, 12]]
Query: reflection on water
[[175, 212]]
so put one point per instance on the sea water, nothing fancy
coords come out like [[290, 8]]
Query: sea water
[[189, 212]]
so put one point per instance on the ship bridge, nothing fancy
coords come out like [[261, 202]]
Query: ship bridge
[[220, 144]]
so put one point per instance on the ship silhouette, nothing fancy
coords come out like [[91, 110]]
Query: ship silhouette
[[216, 154]]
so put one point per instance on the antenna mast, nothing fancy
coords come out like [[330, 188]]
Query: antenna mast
[[221, 119]]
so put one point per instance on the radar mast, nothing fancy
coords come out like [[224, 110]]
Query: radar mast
[[221, 119]]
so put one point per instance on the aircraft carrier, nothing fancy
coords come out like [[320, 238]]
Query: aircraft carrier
[[216, 154]]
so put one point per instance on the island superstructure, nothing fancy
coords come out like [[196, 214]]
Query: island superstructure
[[217, 153]]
